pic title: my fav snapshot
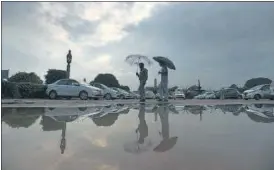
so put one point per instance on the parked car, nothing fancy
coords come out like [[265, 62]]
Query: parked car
[[264, 91], [179, 93], [190, 94], [108, 93], [122, 94], [228, 93], [206, 95], [135, 95], [72, 88], [150, 95]]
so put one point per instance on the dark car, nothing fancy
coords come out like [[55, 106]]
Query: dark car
[[228, 93]]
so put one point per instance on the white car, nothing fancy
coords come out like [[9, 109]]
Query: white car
[[206, 95], [72, 88], [265, 91], [149, 95], [108, 93], [179, 94], [122, 94]]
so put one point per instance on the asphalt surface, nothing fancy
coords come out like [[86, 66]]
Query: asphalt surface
[[92, 103]]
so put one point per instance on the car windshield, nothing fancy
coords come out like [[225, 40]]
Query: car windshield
[[104, 86], [256, 87], [179, 90]]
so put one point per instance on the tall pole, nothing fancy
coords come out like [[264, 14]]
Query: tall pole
[[69, 59]]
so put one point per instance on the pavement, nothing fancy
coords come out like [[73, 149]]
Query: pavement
[[91, 103]]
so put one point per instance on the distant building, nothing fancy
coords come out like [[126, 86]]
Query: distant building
[[4, 74]]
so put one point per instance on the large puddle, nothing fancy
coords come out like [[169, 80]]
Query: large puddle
[[139, 137]]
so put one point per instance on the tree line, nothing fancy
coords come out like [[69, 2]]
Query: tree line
[[53, 75]]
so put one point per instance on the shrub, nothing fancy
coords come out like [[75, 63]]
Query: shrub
[[30, 90], [23, 90]]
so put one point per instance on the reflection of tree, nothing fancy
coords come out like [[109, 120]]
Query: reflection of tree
[[107, 120], [21, 117], [49, 124]]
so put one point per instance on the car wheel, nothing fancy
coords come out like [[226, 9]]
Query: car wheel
[[52, 94], [83, 95], [240, 97], [108, 96], [257, 97]]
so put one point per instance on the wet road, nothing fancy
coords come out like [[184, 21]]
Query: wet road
[[139, 137], [92, 103]]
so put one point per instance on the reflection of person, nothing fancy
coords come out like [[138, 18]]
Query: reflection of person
[[143, 75], [167, 143], [142, 127], [163, 111], [164, 83], [63, 140]]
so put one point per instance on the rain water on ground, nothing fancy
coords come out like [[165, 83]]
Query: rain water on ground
[[139, 137]]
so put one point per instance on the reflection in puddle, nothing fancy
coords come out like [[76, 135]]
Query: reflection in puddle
[[140, 136]]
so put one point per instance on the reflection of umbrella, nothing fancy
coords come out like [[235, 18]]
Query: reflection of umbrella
[[135, 147], [165, 61], [136, 59], [166, 144], [107, 120]]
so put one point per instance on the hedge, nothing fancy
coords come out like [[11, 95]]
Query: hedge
[[23, 90]]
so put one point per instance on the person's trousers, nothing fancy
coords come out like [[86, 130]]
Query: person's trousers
[[142, 90], [164, 89]]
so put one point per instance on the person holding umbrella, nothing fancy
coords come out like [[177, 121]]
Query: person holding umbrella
[[164, 63], [143, 75], [164, 82]]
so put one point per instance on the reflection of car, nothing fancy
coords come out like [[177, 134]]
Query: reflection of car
[[228, 93], [179, 94], [260, 113], [264, 91], [67, 114], [266, 109], [108, 93], [122, 94], [72, 88], [150, 95]]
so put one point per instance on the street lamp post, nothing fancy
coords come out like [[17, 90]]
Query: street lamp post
[[69, 59]]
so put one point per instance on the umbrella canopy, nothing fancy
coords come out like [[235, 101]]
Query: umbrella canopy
[[165, 61], [137, 58], [166, 144]]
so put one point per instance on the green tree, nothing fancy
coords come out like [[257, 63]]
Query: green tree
[[106, 79], [53, 75], [256, 81], [25, 77]]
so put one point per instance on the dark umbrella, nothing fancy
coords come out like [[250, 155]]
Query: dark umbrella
[[165, 61], [166, 144]]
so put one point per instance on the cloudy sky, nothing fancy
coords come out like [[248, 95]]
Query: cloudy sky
[[219, 43]]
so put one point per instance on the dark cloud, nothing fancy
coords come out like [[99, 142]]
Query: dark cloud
[[220, 43]]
